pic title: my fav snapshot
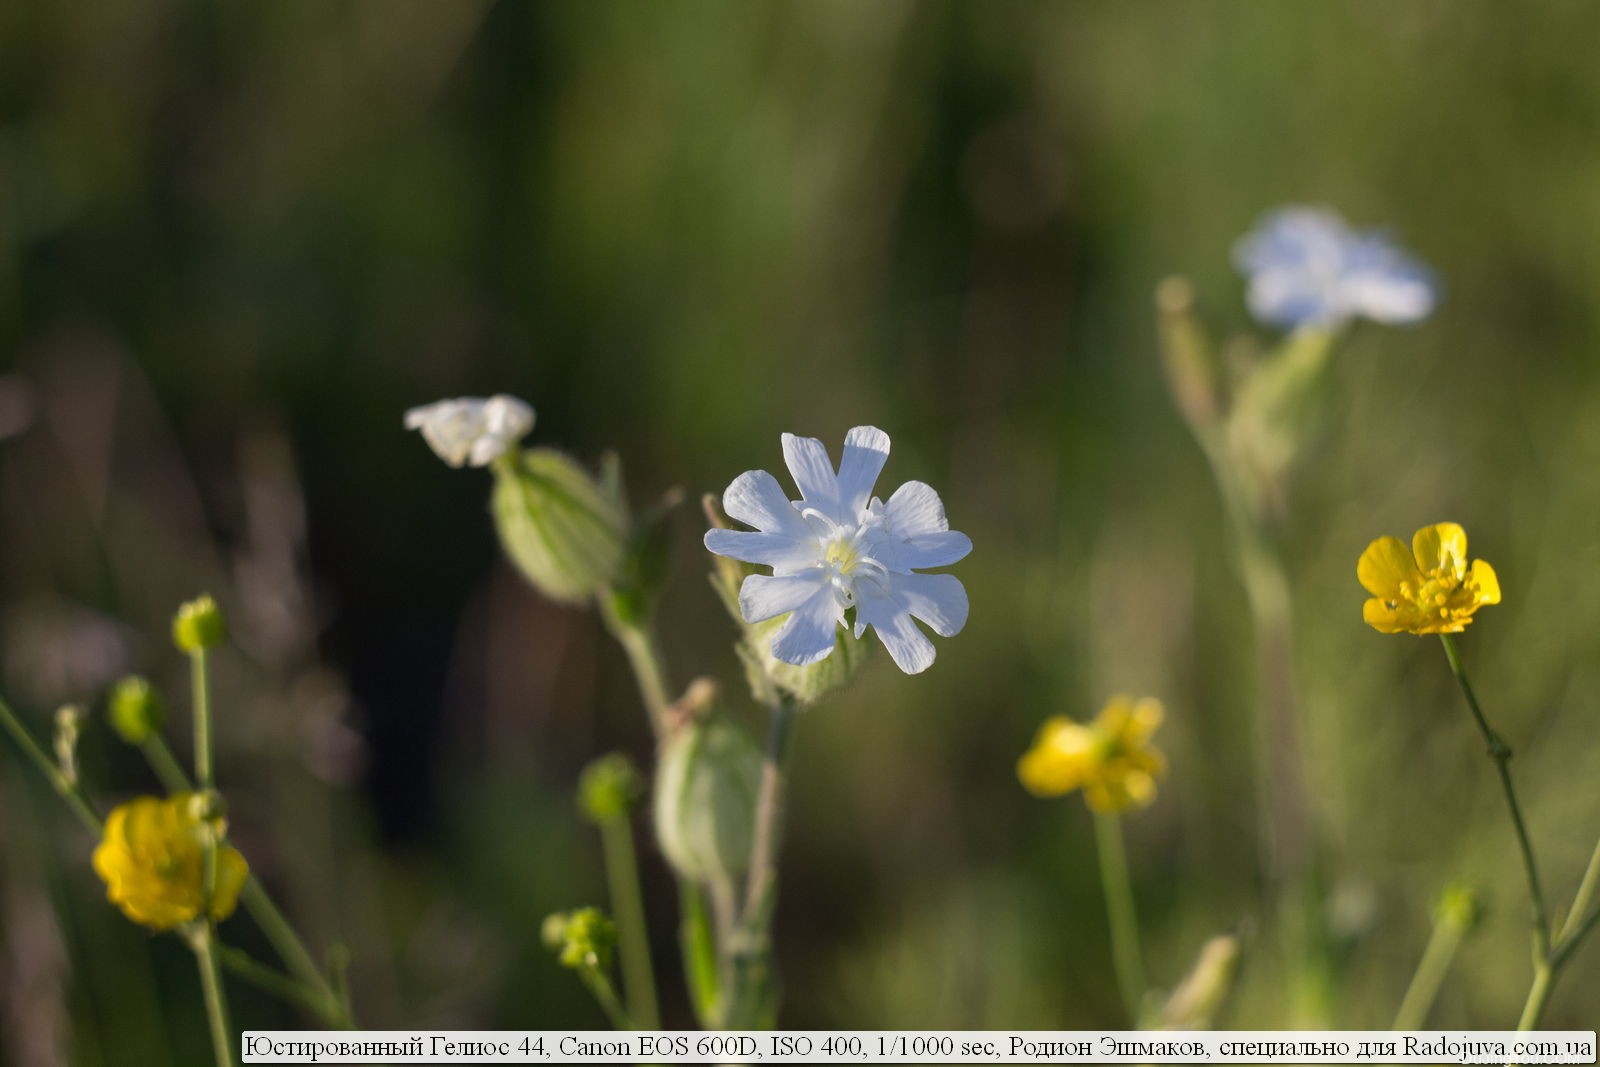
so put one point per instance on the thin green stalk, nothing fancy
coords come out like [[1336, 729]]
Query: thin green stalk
[[1579, 914], [200, 679], [1500, 752], [1431, 970], [752, 939], [639, 643], [165, 764], [241, 964], [600, 987], [1544, 983], [1124, 917], [293, 952], [70, 791], [699, 947], [627, 903], [205, 952]]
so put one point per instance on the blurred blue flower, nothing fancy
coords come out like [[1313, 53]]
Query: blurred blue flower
[[1308, 269]]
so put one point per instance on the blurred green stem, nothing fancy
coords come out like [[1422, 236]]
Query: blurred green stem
[[204, 943], [1118, 887], [293, 953], [1500, 752], [1580, 922], [628, 904], [599, 987], [700, 965], [247, 968], [752, 940], [638, 641], [200, 676], [1440, 952], [166, 766], [70, 791]]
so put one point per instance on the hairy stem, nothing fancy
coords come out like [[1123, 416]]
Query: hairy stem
[[627, 902]]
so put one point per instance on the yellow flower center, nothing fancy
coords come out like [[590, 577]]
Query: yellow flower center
[[842, 554]]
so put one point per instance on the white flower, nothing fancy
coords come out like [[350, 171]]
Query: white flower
[[471, 429], [1308, 268], [840, 547]]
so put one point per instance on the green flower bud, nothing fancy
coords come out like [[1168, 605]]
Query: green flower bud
[[1194, 1004], [1460, 908], [582, 938], [69, 725], [198, 625], [707, 782], [136, 710], [805, 685], [609, 788], [561, 530]]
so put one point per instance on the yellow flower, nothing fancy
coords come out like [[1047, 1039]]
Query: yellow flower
[[1110, 759], [153, 862], [1427, 588]]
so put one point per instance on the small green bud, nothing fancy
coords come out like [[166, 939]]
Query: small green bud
[[136, 710], [609, 788], [69, 726], [207, 806], [1460, 908], [707, 781], [558, 526], [198, 625], [1202, 992], [582, 938]]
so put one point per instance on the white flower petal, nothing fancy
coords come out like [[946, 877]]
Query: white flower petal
[[764, 597], [866, 449], [939, 600], [924, 551], [812, 470], [809, 635], [908, 646], [1393, 299], [767, 549], [756, 499], [471, 429], [915, 509]]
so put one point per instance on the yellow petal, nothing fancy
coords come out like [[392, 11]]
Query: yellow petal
[[232, 870], [1384, 565], [1442, 546], [1147, 716], [1488, 584], [1390, 617]]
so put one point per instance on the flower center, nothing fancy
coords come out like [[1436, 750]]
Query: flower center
[[842, 554]]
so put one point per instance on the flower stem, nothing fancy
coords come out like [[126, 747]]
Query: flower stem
[[242, 965], [1573, 928], [599, 987], [628, 904], [205, 951], [161, 760], [752, 939], [1431, 970], [1118, 888], [200, 679], [638, 641], [293, 952], [1500, 752], [70, 791]]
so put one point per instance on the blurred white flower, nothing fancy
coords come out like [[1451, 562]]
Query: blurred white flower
[[471, 429], [1308, 268], [839, 547]]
